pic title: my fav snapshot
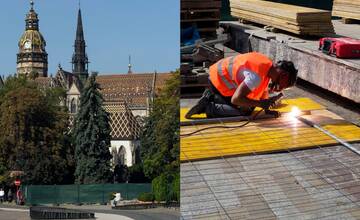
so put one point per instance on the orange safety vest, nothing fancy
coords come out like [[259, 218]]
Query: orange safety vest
[[227, 74]]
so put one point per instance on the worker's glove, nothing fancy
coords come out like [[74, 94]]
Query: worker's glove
[[276, 114], [271, 102], [267, 103]]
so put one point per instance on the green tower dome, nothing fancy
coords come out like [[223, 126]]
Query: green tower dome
[[32, 56], [32, 40]]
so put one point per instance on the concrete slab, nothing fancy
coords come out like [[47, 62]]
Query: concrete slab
[[320, 183], [293, 185]]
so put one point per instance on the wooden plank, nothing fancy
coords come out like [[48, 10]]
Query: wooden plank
[[295, 19], [276, 9], [286, 27], [346, 15], [282, 21], [346, 9]]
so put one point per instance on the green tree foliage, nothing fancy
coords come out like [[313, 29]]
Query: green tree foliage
[[146, 197], [160, 142], [33, 138], [121, 173], [176, 187], [160, 136], [33, 75], [92, 137], [136, 174], [163, 187]]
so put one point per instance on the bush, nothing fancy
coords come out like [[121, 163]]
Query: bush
[[176, 187], [159, 187], [146, 197], [163, 187], [112, 196], [136, 174]]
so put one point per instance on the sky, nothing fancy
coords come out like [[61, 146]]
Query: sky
[[149, 31]]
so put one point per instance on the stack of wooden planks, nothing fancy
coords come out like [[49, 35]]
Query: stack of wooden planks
[[294, 19], [346, 9], [203, 14]]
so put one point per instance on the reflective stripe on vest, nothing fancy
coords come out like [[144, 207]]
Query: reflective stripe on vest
[[227, 74], [230, 67], [229, 84]]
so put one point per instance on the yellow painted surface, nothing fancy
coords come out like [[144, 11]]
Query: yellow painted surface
[[259, 137], [304, 104]]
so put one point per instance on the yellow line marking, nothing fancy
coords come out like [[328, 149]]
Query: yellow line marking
[[304, 104]]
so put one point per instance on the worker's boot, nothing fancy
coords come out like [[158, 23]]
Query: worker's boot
[[200, 105]]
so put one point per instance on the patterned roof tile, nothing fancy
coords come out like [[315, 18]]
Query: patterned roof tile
[[135, 89]]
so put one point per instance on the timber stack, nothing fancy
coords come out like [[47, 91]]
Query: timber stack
[[347, 9], [202, 14], [295, 19]]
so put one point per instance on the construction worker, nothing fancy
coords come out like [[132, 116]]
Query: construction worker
[[240, 83]]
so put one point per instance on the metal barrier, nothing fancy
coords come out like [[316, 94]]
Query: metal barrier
[[81, 194], [58, 213]]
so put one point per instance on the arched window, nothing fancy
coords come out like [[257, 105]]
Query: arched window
[[122, 155], [115, 156], [73, 106]]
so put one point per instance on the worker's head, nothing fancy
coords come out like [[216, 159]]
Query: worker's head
[[285, 75]]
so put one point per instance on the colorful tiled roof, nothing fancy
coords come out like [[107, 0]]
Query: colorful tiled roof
[[124, 125], [134, 88], [66, 79], [45, 82]]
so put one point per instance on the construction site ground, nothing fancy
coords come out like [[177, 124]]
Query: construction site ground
[[322, 182]]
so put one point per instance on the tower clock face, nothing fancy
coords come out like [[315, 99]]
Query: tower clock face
[[27, 45]]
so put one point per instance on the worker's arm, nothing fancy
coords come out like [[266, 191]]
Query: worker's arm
[[240, 98], [265, 95]]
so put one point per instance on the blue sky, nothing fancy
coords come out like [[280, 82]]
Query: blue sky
[[148, 30]]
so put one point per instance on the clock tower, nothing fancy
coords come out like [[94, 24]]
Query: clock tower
[[32, 56]]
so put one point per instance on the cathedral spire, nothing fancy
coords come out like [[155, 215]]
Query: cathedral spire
[[80, 59], [129, 71], [79, 29]]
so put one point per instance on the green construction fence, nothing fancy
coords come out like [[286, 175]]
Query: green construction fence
[[81, 194]]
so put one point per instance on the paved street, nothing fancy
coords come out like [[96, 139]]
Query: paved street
[[102, 212]]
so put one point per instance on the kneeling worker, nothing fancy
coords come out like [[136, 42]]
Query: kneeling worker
[[240, 83]]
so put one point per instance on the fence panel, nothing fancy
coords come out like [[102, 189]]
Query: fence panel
[[66, 194], [91, 193], [84, 194]]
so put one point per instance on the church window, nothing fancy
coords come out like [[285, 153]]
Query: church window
[[73, 106], [122, 155]]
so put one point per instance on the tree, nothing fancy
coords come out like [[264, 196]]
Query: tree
[[136, 174], [91, 135], [160, 136], [121, 173], [33, 74], [33, 137]]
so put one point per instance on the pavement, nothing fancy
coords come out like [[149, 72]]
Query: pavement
[[102, 212], [319, 183]]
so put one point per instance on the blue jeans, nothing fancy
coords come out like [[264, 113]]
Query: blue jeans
[[221, 106]]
